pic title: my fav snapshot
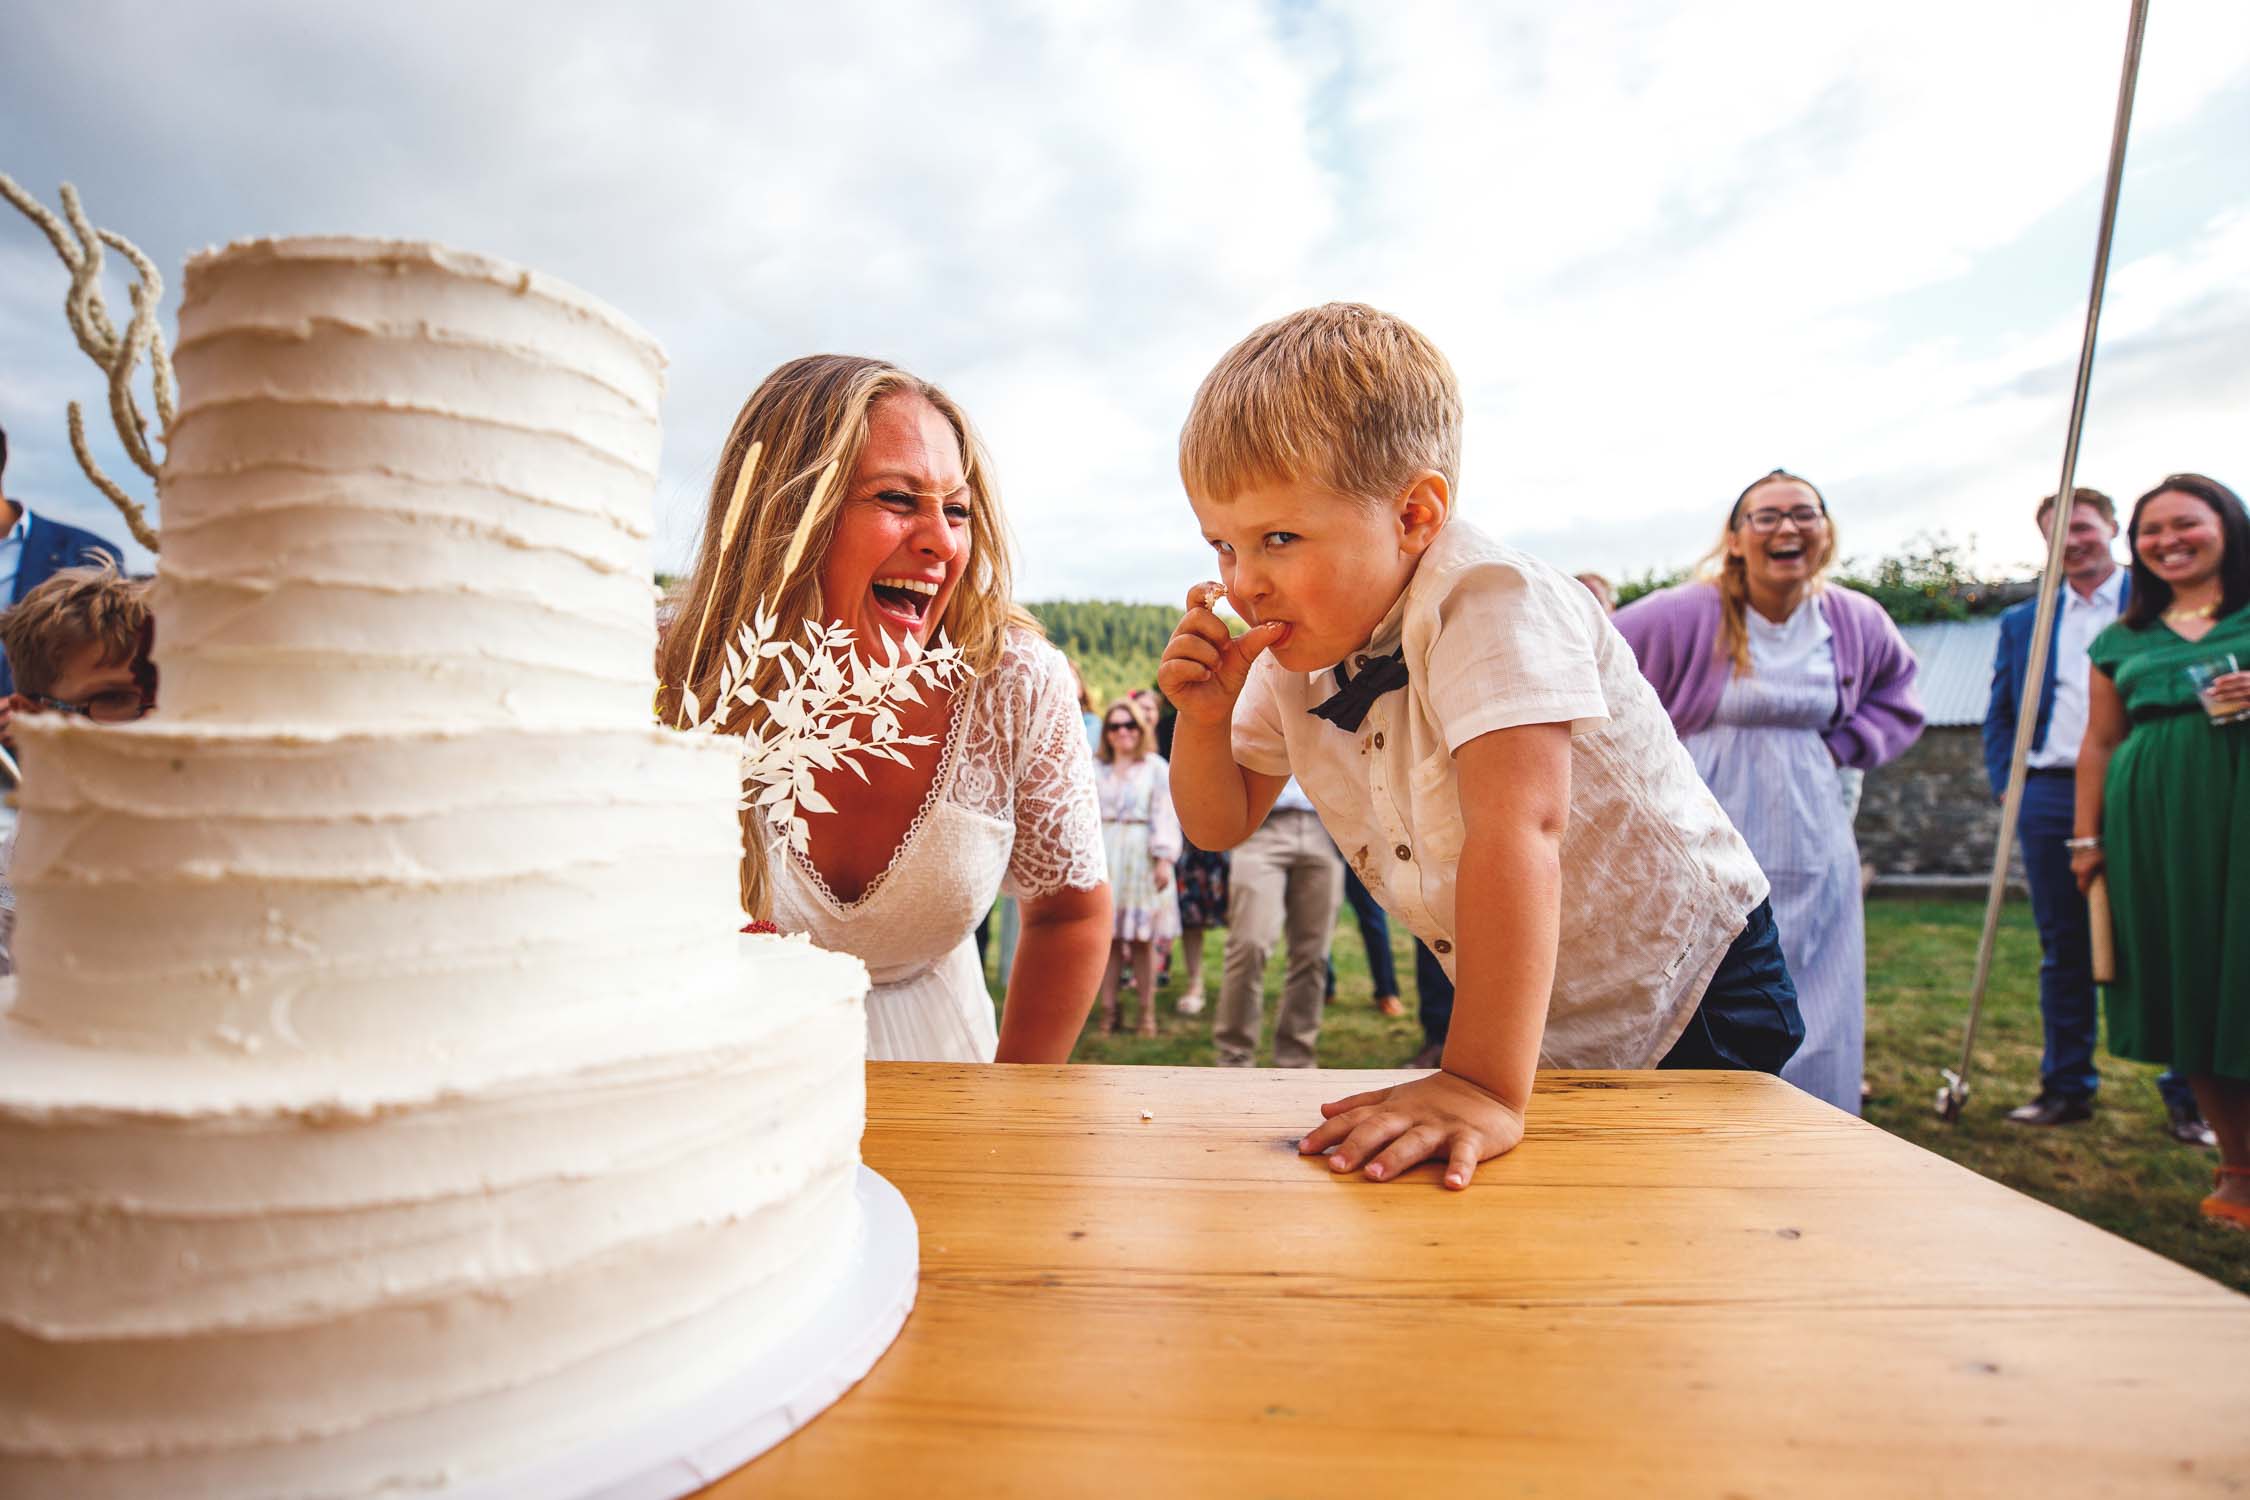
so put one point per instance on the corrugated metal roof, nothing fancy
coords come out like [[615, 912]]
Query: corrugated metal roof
[[1956, 676]]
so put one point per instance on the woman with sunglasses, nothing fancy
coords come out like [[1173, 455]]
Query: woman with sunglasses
[[1142, 837], [1774, 678]]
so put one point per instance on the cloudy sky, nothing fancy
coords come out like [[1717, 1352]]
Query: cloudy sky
[[1668, 246]]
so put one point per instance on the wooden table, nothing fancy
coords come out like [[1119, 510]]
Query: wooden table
[[1680, 1284]]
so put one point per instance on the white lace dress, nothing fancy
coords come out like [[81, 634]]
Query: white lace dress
[[1012, 806]]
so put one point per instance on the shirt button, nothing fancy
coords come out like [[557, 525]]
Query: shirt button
[[1442, 946], [1378, 739], [1403, 852]]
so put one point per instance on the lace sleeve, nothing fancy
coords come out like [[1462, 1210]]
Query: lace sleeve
[[1051, 796]]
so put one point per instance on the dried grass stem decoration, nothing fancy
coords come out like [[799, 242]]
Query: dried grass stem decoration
[[80, 246]]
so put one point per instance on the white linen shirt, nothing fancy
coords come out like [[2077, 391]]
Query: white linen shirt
[[2082, 620], [1656, 883]]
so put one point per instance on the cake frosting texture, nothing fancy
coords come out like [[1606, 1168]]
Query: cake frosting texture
[[387, 1095], [404, 485]]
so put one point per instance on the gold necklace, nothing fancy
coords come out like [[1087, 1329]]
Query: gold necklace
[[2200, 612]]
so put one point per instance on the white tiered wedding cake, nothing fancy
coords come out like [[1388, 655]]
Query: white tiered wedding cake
[[386, 1095]]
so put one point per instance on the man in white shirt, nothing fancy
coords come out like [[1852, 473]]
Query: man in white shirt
[[2094, 596]]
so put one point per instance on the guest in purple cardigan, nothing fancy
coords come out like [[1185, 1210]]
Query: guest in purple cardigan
[[1775, 678]]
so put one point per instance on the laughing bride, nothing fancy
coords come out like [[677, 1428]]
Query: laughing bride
[[870, 505]]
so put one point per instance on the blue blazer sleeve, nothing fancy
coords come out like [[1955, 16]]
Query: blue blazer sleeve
[[2007, 694]]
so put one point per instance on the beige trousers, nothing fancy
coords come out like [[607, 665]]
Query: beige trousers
[[1287, 875]]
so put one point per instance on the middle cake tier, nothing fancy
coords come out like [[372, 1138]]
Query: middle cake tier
[[400, 894]]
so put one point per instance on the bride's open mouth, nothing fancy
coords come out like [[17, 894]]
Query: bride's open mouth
[[908, 601]]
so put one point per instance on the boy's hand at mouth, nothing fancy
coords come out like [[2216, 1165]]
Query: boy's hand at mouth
[[1204, 665]]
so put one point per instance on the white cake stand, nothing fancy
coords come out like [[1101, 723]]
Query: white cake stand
[[679, 1452]]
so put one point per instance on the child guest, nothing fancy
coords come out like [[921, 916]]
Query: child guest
[[1472, 731], [79, 643]]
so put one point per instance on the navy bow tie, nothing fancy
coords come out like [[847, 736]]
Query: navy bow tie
[[1347, 707]]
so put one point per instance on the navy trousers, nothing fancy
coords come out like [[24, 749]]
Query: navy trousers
[[1374, 933], [1433, 995], [1748, 1020], [2067, 1005]]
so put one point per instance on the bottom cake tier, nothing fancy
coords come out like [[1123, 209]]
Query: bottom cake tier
[[221, 1278]]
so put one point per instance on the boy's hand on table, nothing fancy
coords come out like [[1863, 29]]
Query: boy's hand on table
[[1386, 1131], [1204, 665]]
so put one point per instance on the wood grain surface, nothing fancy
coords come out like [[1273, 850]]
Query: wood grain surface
[[1680, 1284]]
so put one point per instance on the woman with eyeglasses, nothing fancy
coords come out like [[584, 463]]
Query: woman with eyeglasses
[[1775, 677], [1142, 836]]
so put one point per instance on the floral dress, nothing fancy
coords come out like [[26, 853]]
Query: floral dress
[[1203, 886], [1139, 828]]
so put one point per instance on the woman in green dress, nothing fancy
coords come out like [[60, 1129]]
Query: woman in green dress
[[2164, 807]]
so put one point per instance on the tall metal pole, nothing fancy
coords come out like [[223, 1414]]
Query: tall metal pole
[[1955, 1091]]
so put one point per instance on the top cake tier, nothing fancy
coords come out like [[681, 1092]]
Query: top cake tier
[[406, 485]]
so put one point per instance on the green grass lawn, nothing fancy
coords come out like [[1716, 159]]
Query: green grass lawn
[[2118, 1170]]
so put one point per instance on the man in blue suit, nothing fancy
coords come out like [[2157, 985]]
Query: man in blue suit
[[2095, 593], [33, 549]]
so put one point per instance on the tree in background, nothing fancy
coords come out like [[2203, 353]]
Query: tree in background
[[1116, 645]]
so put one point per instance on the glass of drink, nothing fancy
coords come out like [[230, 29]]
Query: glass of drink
[[2228, 710]]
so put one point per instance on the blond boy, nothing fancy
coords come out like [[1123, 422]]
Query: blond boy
[[1474, 734], [78, 643]]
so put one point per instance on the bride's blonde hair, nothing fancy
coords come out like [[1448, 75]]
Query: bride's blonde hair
[[808, 414], [1728, 572]]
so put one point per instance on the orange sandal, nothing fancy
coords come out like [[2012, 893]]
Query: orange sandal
[[2225, 1210]]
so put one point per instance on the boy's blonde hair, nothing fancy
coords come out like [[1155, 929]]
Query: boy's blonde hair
[[67, 610], [1343, 396]]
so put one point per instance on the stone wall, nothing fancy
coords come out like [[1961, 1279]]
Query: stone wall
[[1930, 812]]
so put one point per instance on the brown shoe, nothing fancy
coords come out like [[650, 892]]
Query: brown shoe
[[1428, 1057], [1390, 1005]]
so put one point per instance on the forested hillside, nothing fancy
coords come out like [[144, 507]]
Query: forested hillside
[[1116, 645]]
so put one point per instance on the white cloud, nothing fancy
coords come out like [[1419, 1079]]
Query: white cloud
[[1667, 245]]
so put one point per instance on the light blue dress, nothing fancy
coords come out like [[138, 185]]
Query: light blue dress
[[1763, 758]]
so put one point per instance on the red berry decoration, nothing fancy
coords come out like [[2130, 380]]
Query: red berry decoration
[[762, 927]]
